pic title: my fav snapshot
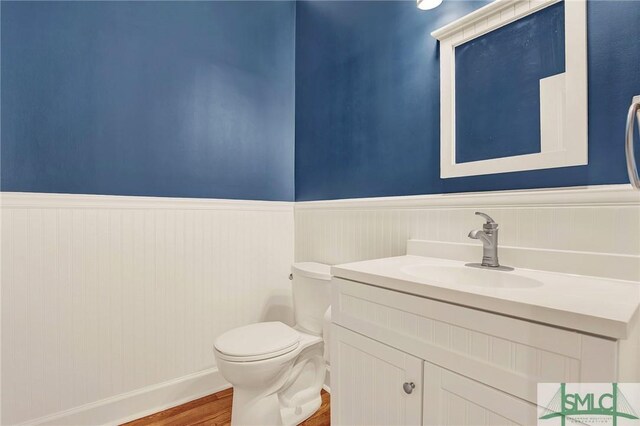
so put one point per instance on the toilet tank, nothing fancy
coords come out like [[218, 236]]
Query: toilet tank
[[311, 294]]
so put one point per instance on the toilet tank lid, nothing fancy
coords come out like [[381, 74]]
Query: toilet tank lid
[[319, 271]]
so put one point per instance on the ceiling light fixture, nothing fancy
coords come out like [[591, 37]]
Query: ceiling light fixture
[[428, 4]]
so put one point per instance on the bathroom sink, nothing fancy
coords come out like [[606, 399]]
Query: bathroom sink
[[562, 299], [468, 276]]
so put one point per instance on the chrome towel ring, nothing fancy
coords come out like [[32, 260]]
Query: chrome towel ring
[[632, 168]]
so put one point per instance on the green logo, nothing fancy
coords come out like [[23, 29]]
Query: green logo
[[565, 405]]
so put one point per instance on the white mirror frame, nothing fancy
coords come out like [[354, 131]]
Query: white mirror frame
[[563, 97]]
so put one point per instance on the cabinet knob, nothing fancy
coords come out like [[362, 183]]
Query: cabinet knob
[[408, 387]]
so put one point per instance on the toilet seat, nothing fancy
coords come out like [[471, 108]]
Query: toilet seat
[[256, 342]]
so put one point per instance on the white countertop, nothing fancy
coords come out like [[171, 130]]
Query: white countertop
[[600, 306]]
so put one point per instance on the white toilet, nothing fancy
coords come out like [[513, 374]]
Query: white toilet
[[277, 371]]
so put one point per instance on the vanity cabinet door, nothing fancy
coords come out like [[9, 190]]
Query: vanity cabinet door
[[372, 383], [453, 400]]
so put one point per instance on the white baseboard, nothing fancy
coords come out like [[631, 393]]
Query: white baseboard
[[139, 403]]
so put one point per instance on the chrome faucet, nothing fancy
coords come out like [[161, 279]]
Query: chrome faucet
[[489, 238]]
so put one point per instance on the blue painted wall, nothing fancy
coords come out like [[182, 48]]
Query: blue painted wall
[[367, 100], [187, 99], [197, 99]]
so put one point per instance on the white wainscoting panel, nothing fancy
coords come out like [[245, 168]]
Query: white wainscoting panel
[[115, 301], [103, 296], [598, 220], [602, 219]]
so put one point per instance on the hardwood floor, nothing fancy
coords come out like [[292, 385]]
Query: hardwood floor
[[215, 409]]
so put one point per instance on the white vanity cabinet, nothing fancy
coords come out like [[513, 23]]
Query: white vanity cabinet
[[450, 399], [468, 366], [378, 385]]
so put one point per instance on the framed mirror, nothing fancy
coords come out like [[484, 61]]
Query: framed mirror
[[513, 88]]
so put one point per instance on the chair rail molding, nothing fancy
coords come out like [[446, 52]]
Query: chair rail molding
[[590, 196], [88, 201], [563, 97]]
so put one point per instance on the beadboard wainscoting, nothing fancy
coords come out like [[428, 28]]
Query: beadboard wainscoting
[[600, 219], [110, 304], [540, 229]]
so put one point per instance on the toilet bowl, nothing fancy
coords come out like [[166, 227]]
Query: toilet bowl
[[277, 371]]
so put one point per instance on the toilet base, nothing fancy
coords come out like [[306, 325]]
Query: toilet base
[[267, 410], [296, 415], [288, 401], [279, 391], [253, 409]]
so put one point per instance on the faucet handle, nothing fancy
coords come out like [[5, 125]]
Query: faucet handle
[[491, 224]]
